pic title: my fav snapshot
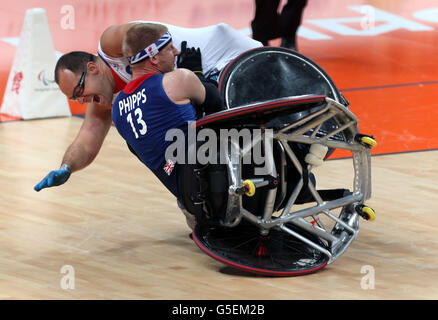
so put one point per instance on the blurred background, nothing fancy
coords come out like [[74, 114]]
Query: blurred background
[[380, 54]]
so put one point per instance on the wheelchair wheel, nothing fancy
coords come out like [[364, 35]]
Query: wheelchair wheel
[[269, 73], [244, 248]]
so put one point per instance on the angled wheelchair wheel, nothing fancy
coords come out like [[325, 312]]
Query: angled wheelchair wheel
[[244, 248], [268, 73]]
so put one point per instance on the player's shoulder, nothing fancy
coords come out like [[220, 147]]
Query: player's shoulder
[[180, 84], [112, 38], [180, 74], [107, 43]]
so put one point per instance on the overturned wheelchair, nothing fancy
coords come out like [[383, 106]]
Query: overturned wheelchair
[[270, 218]]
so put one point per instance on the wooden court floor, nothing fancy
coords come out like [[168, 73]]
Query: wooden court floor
[[125, 238], [120, 231]]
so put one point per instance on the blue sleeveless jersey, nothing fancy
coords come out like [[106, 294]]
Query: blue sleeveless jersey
[[142, 114]]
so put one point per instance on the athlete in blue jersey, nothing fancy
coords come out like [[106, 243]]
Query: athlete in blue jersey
[[89, 79], [142, 114], [157, 100]]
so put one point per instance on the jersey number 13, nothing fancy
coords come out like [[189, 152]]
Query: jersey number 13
[[140, 121]]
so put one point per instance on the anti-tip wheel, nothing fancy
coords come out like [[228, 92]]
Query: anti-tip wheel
[[369, 141], [366, 140], [366, 212], [250, 187], [369, 212]]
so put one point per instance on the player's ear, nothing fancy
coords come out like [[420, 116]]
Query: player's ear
[[155, 59], [92, 67]]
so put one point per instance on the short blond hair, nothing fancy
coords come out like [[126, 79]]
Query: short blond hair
[[141, 35]]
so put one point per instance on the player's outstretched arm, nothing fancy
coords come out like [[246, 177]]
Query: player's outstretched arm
[[84, 148]]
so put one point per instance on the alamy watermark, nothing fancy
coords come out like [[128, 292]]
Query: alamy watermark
[[369, 279], [369, 19], [68, 19], [68, 280], [225, 146]]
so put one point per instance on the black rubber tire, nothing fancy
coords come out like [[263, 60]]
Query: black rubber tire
[[239, 248]]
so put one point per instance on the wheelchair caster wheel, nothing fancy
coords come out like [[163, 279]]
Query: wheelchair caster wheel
[[366, 212], [366, 140], [250, 187]]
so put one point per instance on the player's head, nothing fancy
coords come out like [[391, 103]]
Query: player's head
[[149, 44], [80, 77]]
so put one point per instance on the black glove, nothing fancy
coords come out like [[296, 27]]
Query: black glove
[[190, 58]]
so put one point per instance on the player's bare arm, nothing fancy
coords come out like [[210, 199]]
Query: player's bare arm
[[183, 86], [84, 148], [90, 138]]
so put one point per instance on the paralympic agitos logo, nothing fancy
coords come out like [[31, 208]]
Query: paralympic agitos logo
[[42, 77]]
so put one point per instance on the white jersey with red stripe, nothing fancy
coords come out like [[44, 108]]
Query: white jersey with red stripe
[[219, 44], [120, 66]]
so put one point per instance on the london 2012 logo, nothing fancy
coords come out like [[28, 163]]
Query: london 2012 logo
[[42, 77]]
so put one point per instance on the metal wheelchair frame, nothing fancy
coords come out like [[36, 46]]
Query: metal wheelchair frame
[[307, 131]]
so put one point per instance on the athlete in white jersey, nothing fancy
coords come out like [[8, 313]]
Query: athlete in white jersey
[[99, 79], [218, 43]]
